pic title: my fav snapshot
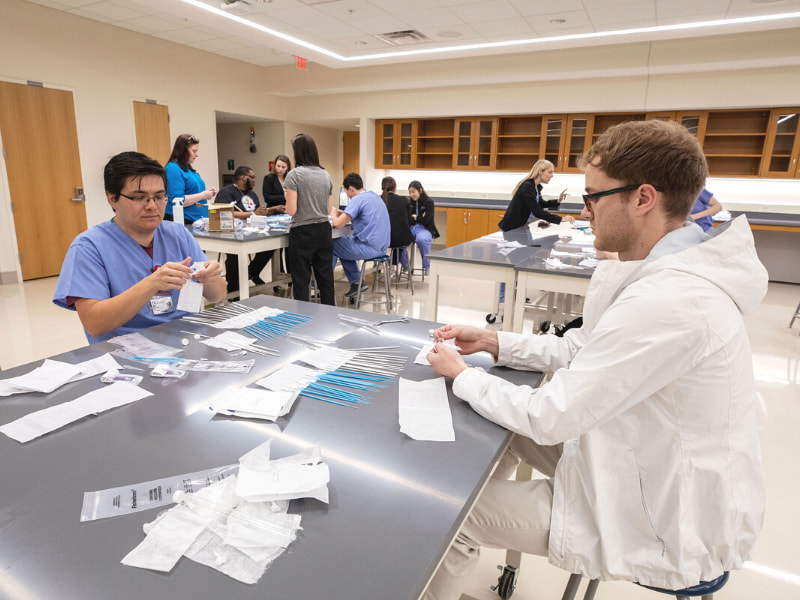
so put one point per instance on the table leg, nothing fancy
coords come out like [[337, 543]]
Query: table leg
[[433, 292], [244, 288], [508, 301]]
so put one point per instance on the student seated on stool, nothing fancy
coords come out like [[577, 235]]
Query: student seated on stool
[[371, 229], [647, 430]]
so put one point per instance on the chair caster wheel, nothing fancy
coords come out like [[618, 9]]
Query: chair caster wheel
[[507, 582], [491, 318]]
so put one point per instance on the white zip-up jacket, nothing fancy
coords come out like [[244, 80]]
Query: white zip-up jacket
[[660, 480]]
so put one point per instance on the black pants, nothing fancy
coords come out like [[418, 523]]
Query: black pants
[[311, 246], [257, 264]]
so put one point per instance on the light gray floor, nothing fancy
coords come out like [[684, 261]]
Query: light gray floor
[[33, 328]]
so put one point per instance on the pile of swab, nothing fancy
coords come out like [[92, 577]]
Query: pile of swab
[[275, 325]]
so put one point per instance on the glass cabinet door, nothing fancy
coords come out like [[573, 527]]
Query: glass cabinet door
[[384, 155], [695, 122], [783, 144], [485, 145], [463, 155], [405, 150], [579, 138], [551, 139]]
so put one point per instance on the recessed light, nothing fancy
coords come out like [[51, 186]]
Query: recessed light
[[558, 21]]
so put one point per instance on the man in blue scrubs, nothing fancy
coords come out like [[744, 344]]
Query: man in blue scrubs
[[125, 274], [371, 229]]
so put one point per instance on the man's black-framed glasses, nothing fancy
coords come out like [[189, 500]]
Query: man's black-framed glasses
[[587, 198], [142, 199]]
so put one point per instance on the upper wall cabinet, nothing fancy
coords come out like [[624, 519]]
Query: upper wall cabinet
[[395, 143], [737, 143]]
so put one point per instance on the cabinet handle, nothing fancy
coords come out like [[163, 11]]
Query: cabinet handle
[[465, 217]]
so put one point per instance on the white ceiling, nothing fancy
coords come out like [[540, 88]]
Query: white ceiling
[[347, 28]]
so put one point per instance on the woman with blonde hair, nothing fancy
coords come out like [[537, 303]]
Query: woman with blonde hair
[[527, 199]]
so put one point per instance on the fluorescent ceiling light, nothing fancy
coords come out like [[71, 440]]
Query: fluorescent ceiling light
[[507, 44]]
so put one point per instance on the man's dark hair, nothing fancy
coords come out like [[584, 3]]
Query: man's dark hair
[[354, 180], [305, 151], [129, 165], [241, 172]]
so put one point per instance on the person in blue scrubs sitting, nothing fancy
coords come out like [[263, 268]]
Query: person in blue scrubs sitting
[[371, 230], [704, 209], [125, 274], [184, 182]]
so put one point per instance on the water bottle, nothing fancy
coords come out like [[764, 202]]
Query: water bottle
[[177, 210]]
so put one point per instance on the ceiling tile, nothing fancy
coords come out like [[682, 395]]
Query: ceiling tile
[[51, 4], [528, 8], [350, 10], [436, 17], [378, 25], [689, 10], [621, 16], [76, 3], [477, 13], [515, 28], [109, 11], [148, 25], [546, 28]]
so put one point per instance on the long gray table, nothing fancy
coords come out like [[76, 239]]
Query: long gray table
[[395, 504], [521, 268], [243, 244]]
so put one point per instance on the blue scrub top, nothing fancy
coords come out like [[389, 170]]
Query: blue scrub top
[[701, 204], [105, 261], [182, 183], [370, 220]]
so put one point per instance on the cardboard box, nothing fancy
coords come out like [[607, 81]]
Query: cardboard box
[[220, 217]]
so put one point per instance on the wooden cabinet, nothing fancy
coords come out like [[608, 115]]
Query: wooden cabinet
[[465, 224], [435, 143], [395, 143], [737, 142], [734, 141], [783, 144], [519, 142], [475, 145], [493, 222]]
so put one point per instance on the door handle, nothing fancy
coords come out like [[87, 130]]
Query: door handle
[[79, 196]]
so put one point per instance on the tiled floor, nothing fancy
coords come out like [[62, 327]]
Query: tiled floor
[[33, 328]]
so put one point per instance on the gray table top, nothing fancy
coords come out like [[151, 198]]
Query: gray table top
[[249, 236], [395, 503], [531, 257]]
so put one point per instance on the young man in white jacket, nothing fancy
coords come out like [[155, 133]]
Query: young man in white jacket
[[647, 430]]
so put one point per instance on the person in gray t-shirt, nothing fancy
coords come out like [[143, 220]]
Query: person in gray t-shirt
[[309, 199]]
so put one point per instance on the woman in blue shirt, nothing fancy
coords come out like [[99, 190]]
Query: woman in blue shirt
[[184, 182]]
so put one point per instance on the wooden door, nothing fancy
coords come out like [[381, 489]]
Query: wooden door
[[43, 163], [577, 140], [484, 144], [456, 226], [477, 223], [351, 146], [462, 145], [406, 144], [385, 147], [783, 143], [152, 130], [553, 130]]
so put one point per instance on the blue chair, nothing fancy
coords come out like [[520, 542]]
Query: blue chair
[[379, 264]]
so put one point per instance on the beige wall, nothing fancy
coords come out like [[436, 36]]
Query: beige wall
[[329, 146], [233, 142]]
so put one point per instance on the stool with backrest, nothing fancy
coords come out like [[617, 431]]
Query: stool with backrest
[[399, 274], [380, 264], [705, 589]]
